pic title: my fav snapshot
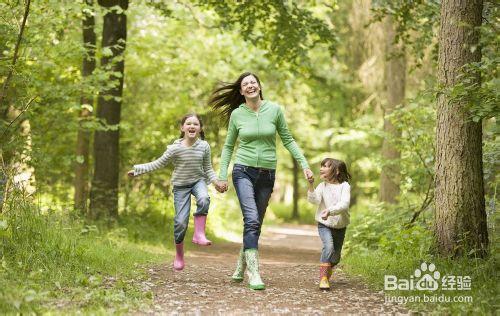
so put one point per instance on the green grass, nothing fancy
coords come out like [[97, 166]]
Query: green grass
[[279, 213], [51, 263], [378, 245], [373, 265]]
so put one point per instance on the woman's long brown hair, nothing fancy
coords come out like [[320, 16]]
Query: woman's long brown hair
[[227, 97]]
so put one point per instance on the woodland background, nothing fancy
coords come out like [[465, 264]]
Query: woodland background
[[90, 88]]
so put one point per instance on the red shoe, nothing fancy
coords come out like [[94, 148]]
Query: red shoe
[[324, 283]]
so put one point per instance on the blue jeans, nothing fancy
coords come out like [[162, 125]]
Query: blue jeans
[[182, 205], [253, 187], [332, 239]]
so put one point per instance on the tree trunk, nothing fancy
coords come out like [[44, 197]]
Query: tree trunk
[[104, 192], [87, 103], [460, 222], [295, 212], [395, 84]]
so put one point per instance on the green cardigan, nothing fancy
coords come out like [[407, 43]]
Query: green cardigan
[[257, 134]]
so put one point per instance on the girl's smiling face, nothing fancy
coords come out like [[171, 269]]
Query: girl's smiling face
[[191, 128], [325, 172], [250, 87]]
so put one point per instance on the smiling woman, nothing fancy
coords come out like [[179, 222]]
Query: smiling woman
[[255, 122]]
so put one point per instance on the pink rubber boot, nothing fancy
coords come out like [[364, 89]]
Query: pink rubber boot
[[179, 257], [199, 231]]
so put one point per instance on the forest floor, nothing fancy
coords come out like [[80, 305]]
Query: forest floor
[[289, 267]]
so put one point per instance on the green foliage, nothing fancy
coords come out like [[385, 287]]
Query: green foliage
[[416, 24], [478, 83], [147, 217], [372, 266], [46, 258], [376, 227], [378, 244], [278, 213], [47, 70], [175, 55], [282, 28], [416, 120]]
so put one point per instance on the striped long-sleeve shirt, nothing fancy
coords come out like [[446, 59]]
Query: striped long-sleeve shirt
[[191, 164]]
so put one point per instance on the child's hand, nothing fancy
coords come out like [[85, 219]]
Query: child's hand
[[130, 173], [224, 186], [324, 214], [308, 174], [311, 180], [220, 186]]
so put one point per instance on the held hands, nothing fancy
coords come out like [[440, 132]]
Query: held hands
[[221, 186], [324, 214], [308, 174]]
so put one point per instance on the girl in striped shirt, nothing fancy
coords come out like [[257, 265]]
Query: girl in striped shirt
[[191, 158]]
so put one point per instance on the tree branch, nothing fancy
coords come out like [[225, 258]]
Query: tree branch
[[427, 201], [422, 160], [429, 195], [18, 116], [14, 58], [195, 17]]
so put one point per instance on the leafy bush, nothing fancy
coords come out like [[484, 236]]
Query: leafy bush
[[45, 259], [378, 243]]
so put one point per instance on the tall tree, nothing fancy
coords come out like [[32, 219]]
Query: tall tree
[[86, 102], [460, 223], [395, 77], [104, 191]]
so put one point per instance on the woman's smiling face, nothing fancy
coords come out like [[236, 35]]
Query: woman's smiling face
[[250, 87]]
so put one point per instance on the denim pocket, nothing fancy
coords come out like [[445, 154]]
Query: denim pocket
[[239, 168]]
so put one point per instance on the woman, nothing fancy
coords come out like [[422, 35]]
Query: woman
[[255, 122]]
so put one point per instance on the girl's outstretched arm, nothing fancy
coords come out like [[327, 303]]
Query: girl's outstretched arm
[[156, 164]]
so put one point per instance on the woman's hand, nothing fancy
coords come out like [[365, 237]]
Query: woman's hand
[[308, 174], [130, 174], [221, 186]]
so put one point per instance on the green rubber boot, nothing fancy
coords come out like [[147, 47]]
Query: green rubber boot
[[241, 265], [252, 260]]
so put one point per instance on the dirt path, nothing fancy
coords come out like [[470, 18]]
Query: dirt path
[[289, 267]]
